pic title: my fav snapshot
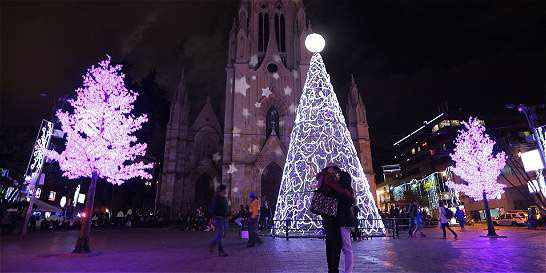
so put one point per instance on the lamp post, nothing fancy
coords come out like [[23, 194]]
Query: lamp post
[[530, 113]]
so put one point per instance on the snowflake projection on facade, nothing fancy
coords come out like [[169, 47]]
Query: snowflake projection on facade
[[320, 136], [253, 60], [246, 113], [253, 77], [288, 91], [235, 189], [258, 104], [236, 132], [292, 108], [231, 169], [266, 92], [278, 152], [281, 123], [241, 86], [295, 74], [260, 123], [277, 58], [276, 76], [216, 157]]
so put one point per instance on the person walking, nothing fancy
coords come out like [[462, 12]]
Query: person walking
[[219, 212], [459, 215], [345, 220], [419, 222], [395, 216], [329, 185], [445, 216], [412, 212], [254, 211]]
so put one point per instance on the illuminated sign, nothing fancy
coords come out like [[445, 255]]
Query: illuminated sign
[[75, 199], [38, 192], [52, 196], [36, 161], [63, 201], [81, 198], [531, 161]]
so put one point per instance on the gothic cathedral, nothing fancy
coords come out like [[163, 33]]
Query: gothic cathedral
[[266, 70]]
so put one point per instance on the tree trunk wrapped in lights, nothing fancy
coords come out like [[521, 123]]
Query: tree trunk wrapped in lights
[[477, 166], [99, 140], [320, 136]]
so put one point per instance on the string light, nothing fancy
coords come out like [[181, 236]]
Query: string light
[[320, 137], [475, 162], [99, 130]]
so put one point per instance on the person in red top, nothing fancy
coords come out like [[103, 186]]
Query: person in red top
[[329, 184]]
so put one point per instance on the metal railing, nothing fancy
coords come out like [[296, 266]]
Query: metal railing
[[288, 228]]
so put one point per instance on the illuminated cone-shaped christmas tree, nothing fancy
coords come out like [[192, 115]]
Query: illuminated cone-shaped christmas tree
[[320, 137]]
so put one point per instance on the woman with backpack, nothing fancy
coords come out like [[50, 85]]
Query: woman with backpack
[[445, 215]]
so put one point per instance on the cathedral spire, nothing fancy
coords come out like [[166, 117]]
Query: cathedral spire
[[355, 100], [180, 104]]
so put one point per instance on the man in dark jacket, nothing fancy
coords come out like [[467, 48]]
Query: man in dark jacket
[[412, 212], [219, 212]]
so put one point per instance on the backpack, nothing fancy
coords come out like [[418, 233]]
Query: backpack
[[448, 213]]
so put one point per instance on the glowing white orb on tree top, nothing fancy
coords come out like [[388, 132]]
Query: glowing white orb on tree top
[[314, 42]]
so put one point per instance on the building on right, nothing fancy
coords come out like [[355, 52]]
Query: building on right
[[424, 161]]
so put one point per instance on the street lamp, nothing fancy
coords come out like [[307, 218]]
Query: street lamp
[[530, 113]]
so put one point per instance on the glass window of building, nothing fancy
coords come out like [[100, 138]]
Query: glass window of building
[[413, 151], [455, 122], [444, 123], [435, 128]]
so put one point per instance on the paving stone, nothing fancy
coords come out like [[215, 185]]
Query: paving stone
[[168, 250]]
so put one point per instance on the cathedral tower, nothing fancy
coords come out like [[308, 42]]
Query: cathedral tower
[[358, 126], [267, 64]]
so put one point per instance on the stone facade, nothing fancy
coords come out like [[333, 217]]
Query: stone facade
[[266, 70]]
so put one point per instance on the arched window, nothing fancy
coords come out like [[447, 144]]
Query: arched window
[[280, 32], [263, 31], [272, 121]]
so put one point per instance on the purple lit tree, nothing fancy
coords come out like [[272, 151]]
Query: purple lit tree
[[99, 141], [477, 166]]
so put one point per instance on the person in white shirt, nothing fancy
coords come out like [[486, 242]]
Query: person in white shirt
[[444, 221]]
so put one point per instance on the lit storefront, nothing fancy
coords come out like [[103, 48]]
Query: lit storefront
[[427, 191]]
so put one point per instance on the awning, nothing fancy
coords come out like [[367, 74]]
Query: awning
[[43, 206]]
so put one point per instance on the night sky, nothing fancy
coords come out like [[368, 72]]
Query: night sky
[[408, 57]]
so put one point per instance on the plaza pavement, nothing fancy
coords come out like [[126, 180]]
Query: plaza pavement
[[170, 250]]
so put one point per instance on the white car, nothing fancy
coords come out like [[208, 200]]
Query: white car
[[511, 219]]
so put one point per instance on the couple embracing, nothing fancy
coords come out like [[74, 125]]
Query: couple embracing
[[334, 182]]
